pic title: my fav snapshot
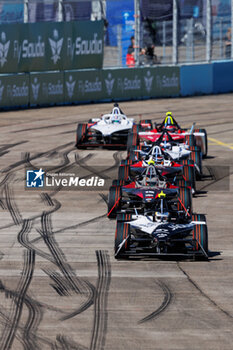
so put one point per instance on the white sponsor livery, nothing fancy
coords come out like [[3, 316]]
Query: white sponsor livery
[[33, 49], [1, 90], [84, 47], [35, 88], [53, 89], [70, 85], [17, 91], [148, 79], [4, 48], [109, 82], [167, 82], [113, 122], [56, 46], [88, 86], [129, 84]]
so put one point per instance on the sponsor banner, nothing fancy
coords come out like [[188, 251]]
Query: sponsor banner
[[84, 86], [14, 90], [122, 83], [51, 46], [160, 81], [46, 88]]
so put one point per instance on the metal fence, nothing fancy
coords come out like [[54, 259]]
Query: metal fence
[[165, 32]]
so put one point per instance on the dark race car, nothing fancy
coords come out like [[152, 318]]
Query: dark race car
[[161, 232]]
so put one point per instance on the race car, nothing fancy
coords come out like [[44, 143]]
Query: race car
[[194, 137], [110, 130], [170, 170], [143, 192], [171, 149], [161, 233]]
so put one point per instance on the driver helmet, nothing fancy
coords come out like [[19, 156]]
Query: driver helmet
[[169, 122], [161, 217], [116, 115]]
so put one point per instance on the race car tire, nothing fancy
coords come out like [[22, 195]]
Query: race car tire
[[126, 162], [132, 140], [149, 125], [183, 183], [200, 232], [123, 172], [114, 197], [124, 217], [189, 175], [81, 133], [196, 156], [119, 183], [122, 233], [185, 200], [190, 140], [205, 150], [187, 162], [132, 155], [135, 128]]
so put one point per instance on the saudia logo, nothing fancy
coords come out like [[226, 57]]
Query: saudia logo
[[84, 47], [4, 48], [56, 46], [70, 85], [129, 84], [148, 79], [17, 91], [29, 49], [109, 82], [52, 89], [167, 82], [89, 86], [35, 88], [1, 90]]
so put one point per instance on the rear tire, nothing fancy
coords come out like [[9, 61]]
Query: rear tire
[[81, 134], [113, 201], [185, 196], [189, 175], [200, 233], [190, 140], [122, 232], [132, 140], [123, 172], [205, 150], [197, 158]]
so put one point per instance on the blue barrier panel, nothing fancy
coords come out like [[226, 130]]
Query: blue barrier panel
[[196, 80], [222, 77]]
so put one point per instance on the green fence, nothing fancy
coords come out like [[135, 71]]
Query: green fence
[[79, 86], [51, 46]]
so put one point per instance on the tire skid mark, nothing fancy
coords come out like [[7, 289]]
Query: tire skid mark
[[11, 205], [88, 303], [9, 331], [6, 147], [25, 157], [166, 301], [101, 298], [63, 343], [203, 293]]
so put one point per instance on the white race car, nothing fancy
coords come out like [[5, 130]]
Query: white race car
[[110, 130]]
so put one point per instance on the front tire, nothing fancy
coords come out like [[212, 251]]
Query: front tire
[[200, 233], [122, 233], [81, 134], [114, 197]]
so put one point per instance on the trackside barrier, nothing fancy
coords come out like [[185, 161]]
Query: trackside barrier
[[96, 85], [196, 79], [51, 46]]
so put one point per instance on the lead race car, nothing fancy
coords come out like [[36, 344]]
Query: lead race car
[[111, 130], [193, 137], [161, 232]]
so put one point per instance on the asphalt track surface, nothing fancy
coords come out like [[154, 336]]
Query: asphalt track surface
[[60, 286]]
